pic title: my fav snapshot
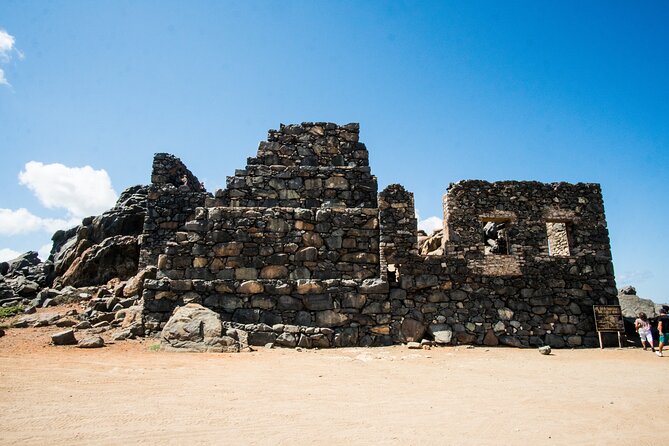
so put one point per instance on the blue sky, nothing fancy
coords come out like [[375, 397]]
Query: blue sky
[[549, 91]]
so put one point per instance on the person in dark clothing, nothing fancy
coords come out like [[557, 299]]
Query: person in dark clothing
[[663, 328]]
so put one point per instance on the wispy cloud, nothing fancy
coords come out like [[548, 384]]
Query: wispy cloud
[[633, 277], [7, 51]]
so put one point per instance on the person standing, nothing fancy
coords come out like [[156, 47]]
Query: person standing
[[663, 328], [642, 325]]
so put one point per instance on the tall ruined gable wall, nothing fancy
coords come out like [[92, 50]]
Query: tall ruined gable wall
[[306, 165]]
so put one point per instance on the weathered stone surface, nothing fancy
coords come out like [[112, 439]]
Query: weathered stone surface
[[631, 304], [511, 341], [250, 287], [286, 340], [64, 338], [441, 333], [91, 342], [374, 286], [545, 350], [194, 328], [114, 257], [490, 339], [135, 284], [555, 341], [330, 318], [309, 287], [318, 302], [228, 249], [260, 338], [412, 330]]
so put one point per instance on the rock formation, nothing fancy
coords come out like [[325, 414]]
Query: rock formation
[[102, 247]]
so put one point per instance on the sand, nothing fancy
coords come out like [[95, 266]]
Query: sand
[[126, 393]]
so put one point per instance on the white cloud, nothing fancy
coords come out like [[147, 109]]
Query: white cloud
[[6, 45], [430, 224], [22, 221], [82, 191], [7, 254], [7, 50]]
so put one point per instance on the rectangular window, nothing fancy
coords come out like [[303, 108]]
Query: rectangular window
[[496, 237], [558, 238]]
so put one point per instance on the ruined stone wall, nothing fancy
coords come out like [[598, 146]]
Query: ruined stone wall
[[527, 206], [398, 225], [296, 251], [526, 297], [169, 204], [276, 243], [307, 165], [168, 169]]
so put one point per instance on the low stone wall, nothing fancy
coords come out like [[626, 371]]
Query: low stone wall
[[355, 312], [548, 302]]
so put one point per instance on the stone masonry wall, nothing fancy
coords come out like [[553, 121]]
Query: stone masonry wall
[[296, 252], [169, 204], [307, 165]]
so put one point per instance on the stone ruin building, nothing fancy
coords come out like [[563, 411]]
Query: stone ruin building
[[302, 247]]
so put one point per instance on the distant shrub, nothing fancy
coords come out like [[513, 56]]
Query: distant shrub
[[10, 311]]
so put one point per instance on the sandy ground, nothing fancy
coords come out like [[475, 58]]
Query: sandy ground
[[126, 393]]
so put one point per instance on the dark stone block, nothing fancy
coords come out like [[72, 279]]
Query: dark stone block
[[260, 338]]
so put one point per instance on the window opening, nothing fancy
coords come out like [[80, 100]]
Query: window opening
[[558, 238], [496, 237]]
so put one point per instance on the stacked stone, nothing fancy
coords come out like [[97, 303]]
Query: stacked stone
[[296, 261], [550, 303], [355, 312], [168, 169], [397, 216], [308, 165], [529, 206], [168, 206], [276, 243], [526, 298]]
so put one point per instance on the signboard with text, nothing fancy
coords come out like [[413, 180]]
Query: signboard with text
[[608, 318]]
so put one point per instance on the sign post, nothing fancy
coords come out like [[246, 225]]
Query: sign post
[[608, 318]]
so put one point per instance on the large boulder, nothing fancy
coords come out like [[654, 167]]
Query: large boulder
[[194, 328], [116, 256]]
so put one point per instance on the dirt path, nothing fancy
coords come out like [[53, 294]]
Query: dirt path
[[127, 394]]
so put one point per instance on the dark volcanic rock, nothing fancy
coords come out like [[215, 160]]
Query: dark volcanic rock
[[95, 238], [64, 338], [91, 342], [115, 257]]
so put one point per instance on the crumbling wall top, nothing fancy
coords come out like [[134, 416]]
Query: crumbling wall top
[[168, 169]]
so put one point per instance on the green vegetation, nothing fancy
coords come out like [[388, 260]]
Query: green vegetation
[[10, 311], [154, 347]]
